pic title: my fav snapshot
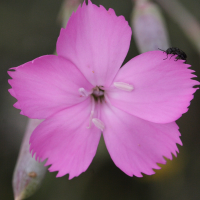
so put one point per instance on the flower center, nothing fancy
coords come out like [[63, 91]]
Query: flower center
[[97, 95]]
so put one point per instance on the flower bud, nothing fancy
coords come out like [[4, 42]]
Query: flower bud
[[28, 173], [148, 27]]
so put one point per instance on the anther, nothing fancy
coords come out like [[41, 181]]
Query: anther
[[83, 92], [98, 123], [123, 86]]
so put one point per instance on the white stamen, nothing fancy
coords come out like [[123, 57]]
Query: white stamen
[[98, 123], [123, 86], [91, 113], [83, 92]]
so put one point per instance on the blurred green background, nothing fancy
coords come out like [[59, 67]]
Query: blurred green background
[[29, 29]]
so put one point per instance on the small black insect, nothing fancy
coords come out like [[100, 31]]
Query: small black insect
[[180, 55]]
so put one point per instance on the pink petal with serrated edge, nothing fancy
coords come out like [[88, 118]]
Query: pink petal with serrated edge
[[66, 141], [136, 145], [162, 90], [96, 41], [46, 85]]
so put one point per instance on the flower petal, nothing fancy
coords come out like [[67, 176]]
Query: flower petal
[[46, 85], [136, 145], [96, 41], [66, 141], [162, 90]]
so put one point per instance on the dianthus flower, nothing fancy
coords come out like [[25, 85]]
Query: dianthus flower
[[82, 92]]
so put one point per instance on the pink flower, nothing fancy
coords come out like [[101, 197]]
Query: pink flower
[[83, 92]]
